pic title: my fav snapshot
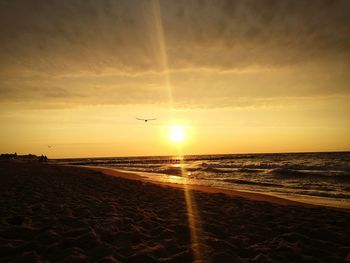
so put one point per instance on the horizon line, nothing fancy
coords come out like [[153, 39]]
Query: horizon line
[[203, 154]]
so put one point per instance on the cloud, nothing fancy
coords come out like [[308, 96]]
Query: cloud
[[189, 88], [97, 36], [219, 52]]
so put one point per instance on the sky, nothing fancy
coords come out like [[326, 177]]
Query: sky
[[238, 76]]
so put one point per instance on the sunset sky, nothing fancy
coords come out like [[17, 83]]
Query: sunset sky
[[238, 76]]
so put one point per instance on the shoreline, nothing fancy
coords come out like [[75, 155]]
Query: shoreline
[[255, 196]]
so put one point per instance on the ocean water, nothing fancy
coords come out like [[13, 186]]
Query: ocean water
[[319, 175]]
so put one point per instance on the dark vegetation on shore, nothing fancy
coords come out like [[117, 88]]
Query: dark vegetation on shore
[[25, 157]]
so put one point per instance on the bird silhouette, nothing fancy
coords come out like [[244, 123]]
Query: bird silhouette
[[146, 120]]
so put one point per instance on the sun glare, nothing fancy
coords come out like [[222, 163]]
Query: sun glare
[[177, 134]]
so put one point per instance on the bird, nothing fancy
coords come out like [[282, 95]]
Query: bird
[[50, 146], [146, 120]]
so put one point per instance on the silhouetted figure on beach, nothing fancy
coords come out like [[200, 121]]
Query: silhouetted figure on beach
[[8, 156], [43, 158]]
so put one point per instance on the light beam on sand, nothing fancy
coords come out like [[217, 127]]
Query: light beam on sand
[[194, 220], [192, 212]]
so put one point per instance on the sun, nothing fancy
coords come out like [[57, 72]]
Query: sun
[[177, 133]]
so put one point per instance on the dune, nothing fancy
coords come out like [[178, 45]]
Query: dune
[[52, 213]]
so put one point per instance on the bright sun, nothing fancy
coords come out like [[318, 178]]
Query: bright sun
[[177, 133]]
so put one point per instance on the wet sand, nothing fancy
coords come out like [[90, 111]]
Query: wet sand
[[71, 214], [247, 195]]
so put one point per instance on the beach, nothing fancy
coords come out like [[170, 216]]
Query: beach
[[316, 178], [55, 213]]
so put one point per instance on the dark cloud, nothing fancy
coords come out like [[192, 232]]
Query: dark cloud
[[57, 36], [235, 34], [96, 36], [113, 49]]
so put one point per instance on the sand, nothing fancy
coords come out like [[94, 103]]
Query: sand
[[244, 194], [51, 213]]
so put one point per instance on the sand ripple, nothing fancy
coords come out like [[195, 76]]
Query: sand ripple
[[59, 214]]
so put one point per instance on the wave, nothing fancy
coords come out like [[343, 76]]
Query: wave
[[243, 163], [179, 171], [285, 173], [291, 173], [324, 194], [248, 170], [241, 181], [214, 170], [267, 166]]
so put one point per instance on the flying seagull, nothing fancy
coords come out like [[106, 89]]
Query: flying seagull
[[146, 120]]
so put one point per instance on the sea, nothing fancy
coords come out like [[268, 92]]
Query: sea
[[321, 178]]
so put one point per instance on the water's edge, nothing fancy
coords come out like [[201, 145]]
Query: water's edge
[[150, 177]]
